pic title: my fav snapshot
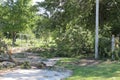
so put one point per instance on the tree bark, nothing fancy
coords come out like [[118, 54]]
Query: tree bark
[[13, 38]]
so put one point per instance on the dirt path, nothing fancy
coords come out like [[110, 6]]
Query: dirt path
[[34, 73]]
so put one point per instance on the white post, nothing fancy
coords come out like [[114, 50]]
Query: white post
[[113, 45], [96, 30], [20, 40]]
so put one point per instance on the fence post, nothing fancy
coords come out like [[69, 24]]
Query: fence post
[[113, 46]]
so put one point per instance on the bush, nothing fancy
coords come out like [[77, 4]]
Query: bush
[[116, 54], [105, 47], [74, 42]]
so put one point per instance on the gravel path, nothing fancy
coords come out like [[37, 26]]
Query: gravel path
[[34, 74]]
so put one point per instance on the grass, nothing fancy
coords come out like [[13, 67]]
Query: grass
[[102, 71], [32, 43]]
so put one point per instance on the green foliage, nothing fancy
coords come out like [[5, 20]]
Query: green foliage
[[75, 41], [73, 23], [3, 46], [28, 33], [69, 22], [17, 15], [44, 52], [116, 52], [66, 20], [105, 47], [19, 21], [60, 13]]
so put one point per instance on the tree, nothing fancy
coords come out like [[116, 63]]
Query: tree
[[66, 19], [18, 15], [63, 13]]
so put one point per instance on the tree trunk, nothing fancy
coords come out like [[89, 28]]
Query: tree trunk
[[13, 38], [9, 54]]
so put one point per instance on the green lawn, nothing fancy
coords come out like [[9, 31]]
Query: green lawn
[[102, 71]]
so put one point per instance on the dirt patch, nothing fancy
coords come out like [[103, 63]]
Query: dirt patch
[[87, 62], [92, 62]]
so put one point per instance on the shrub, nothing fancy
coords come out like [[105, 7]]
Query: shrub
[[74, 41], [105, 47]]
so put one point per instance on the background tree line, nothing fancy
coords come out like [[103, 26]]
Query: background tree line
[[70, 23]]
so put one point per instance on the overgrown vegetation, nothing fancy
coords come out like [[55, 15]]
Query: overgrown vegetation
[[63, 28]]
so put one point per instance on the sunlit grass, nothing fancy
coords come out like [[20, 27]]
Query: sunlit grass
[[33, 43], [102, 71]]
